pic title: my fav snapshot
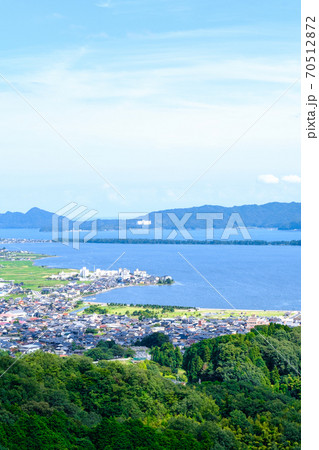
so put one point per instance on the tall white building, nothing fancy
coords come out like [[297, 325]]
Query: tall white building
[[84, 272]]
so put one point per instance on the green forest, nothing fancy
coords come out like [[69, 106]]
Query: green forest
[[106, 350], [243, 392]]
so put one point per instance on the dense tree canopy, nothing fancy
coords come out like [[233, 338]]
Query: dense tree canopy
[[167, 355], [261, 356], [109, 350], [248, 398], [153, 340]]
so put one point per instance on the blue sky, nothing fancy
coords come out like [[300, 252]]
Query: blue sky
[[150, 93]]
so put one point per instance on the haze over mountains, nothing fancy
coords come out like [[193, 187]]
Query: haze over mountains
[[270, 215]]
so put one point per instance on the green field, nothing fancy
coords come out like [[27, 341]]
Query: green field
[[225, 313], [124, 309], [33, 277], [213, 313]]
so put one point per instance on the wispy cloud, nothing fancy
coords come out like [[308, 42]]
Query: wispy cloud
[[104, 5], [166, 105], [191, 34], [291, 179], [56, 15], [268, 179]]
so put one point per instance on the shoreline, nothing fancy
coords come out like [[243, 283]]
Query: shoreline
[[150, 241], [123, 287], [194, 308], [190, 308]]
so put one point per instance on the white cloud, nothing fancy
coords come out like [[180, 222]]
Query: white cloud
[[104, 5], [268, 179], [117, 114], [291, 179]]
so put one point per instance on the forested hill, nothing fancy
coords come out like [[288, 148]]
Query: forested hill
[[269, 215], [248, 398], [260, 357]]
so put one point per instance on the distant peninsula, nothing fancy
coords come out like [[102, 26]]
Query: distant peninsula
[[283, 216], [191, 242]]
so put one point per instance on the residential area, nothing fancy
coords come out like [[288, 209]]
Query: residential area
[[47, 322], [54, 319]]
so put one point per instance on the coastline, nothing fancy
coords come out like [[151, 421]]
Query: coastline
[[198, 309], [120, 287], [191, 309]]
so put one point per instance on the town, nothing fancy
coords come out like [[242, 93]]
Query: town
[[56, 318]]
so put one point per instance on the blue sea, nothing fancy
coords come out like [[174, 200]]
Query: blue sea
[[243, 277]]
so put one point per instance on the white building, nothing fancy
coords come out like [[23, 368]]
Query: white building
[[111, 273], [124, 273], [84, 272], [140, 273]]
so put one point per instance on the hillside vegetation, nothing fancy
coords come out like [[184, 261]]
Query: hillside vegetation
[[248, 397]]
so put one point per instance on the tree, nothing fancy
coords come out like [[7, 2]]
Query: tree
[[52, 402], [167, 355], [195, 368], [153, 340], [178, 357]]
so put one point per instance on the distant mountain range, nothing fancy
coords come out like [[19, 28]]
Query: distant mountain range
[[285, 216], [270, 215], [34, 218]]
